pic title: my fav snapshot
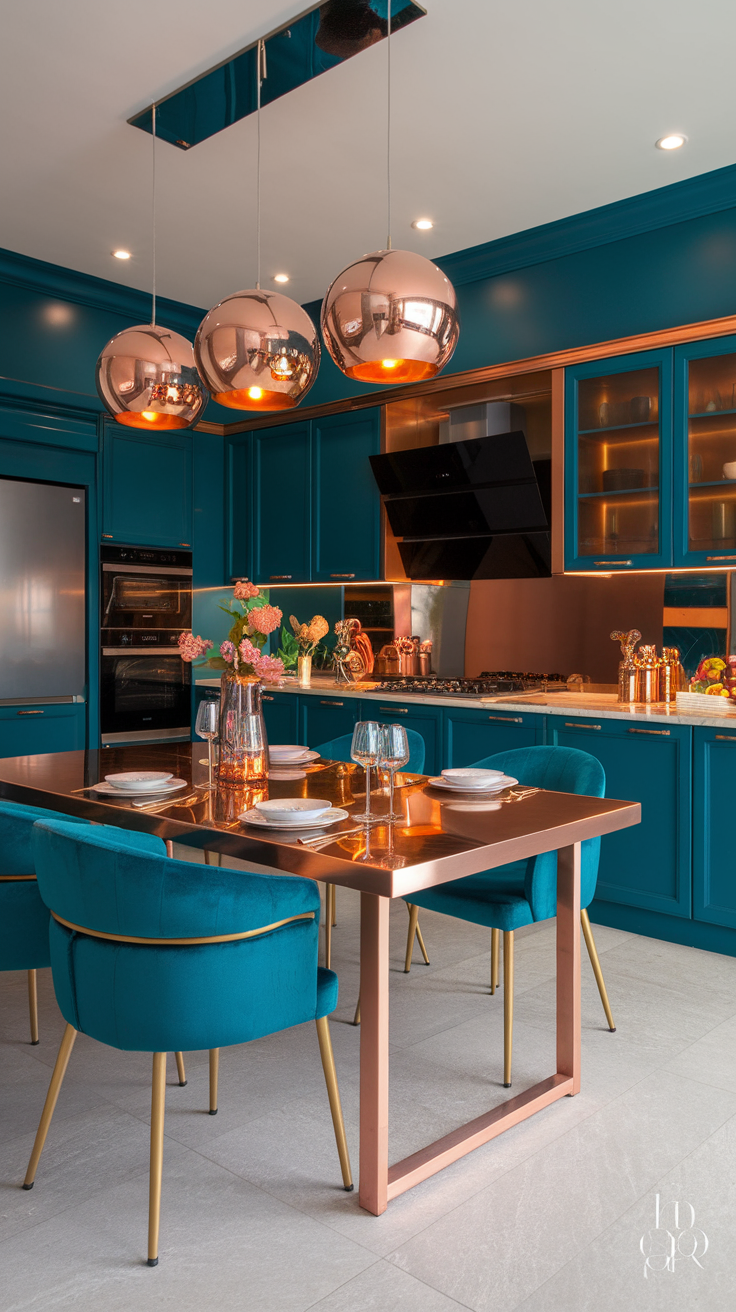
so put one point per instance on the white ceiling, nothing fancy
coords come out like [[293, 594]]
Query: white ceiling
[[506, 114]]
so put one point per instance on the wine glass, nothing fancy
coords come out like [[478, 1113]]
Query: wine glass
[[393, 752], [208, 714], [364, 750]]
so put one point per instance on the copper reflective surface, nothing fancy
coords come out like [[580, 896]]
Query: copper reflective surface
[[257, 350], [147, 378], [391, 317], [440, 838]]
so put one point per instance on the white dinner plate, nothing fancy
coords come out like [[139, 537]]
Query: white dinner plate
[[133, 780], [170, 786], [471, 778], [276, 761], [286, 809], [287, 751], [496, 786], [257, 818]]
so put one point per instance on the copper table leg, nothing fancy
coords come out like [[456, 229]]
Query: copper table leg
[[374, 1052]]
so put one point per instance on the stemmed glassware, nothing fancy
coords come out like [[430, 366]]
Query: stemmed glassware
[[393, 752], [207, 726], [364, 750]]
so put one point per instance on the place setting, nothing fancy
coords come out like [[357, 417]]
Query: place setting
[[293, 813], [476, 787], [289, 760], [140, 788]]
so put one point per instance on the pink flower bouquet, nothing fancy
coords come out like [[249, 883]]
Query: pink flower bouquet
[[242, 650]]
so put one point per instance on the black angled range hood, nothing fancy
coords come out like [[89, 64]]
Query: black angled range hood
[[477, 509]]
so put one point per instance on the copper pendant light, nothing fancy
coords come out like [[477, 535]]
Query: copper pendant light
[[146, 375], [391, 317], [257, 350]]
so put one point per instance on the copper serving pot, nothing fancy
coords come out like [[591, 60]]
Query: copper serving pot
[[387, 661]]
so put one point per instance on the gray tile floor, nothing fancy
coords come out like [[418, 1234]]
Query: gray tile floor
[[558, 1215]]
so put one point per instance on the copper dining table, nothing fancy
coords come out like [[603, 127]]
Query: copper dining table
[[441, 836]]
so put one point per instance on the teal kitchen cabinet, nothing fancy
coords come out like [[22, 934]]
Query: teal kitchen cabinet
[[346, 505], [281, 504], [323, 718], [281, 713], [705, 443], [470, 736], [426, 720], [239, 475], [146, 487], [714, 867], [618, 463], [44, 727], [650, 865]]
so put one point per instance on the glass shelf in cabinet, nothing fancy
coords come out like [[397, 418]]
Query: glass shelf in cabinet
[[618, 428], [722, 483], [619, 492], [710, 414]]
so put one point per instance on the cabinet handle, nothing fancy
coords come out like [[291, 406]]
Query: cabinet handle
[[266, 697], [395, 710], [663, 733], [342, 576], [577, 725], [107, 535], [281, 576], [725, 738], [508, 719], [608, 563], [332, 703], [30, 712], [720, 558]]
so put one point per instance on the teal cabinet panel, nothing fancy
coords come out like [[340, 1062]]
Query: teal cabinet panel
[[323, 718], [618, 463], [346, 506], [240, 508], [714, 866], [281, 504], [470, 736], [426, 720], [650, 864], [281, 713], [31, 730], [705, 441], [147, 487]]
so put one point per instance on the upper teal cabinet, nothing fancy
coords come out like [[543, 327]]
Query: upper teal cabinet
[[618, 463], [281, 504], [147, 487], [705, 453], [346, 520]]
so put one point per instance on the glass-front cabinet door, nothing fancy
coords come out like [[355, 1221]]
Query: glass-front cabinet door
[[618, 502], [705, 473]]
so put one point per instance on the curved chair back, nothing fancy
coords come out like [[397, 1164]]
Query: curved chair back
[[562, 770], [338, 749]]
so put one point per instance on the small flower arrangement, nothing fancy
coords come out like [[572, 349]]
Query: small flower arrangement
[[303, 640], [241, 652]]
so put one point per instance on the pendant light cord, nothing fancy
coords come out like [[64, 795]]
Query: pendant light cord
[[388, 130], [261, 55], [153, 215]]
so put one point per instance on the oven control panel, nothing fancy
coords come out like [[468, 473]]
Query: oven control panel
[[123, 638], [144, 556]]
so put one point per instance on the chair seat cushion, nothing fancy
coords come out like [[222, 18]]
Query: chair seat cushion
[[494, 898]]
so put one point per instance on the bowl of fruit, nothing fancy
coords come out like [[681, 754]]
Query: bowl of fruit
[[715, 677]]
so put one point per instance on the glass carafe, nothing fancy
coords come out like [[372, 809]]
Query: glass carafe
[[243, 741]]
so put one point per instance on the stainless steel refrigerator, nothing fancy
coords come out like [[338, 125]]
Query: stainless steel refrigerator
[[42, 592]]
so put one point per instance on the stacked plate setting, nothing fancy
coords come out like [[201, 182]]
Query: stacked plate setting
[[287, 754], [139, 783], [294, 813], [473, 781]]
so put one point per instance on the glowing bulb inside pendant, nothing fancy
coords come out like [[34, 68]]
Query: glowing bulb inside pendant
[[281, 367], [150, 416], [389, 364], [255, 393]]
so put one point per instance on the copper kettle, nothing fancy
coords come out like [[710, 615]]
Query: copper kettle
[[387, 661]]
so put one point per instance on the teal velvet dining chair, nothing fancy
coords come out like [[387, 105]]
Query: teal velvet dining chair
[[518, 894], [151, 954]]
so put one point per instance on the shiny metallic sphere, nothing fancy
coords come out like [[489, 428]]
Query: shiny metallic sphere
[[391, 318], [147, 378], [257, 350]]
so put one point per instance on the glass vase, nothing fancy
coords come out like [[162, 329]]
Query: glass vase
[[243, 741], [304, 666]]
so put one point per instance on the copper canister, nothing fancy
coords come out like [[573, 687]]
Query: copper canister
[[647, 680], [672, 676], [628, 681]]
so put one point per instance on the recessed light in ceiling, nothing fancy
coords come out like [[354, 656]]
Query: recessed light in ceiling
[[121, 255], [672, 142], [423, 224], [281, 277]]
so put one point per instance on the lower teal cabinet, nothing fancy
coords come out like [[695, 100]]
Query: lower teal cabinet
[[472, 735], [426, 720], [31, 730], [281, 713], [323, 718], [714, 868], [649, 865]]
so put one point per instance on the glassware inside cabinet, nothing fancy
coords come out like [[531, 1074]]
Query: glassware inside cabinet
[[711, 453]]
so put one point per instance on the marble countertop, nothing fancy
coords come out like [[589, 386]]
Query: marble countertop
[[586, 705]]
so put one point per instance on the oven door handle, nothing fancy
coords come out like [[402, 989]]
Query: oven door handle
[[126, 571], [173, 650]]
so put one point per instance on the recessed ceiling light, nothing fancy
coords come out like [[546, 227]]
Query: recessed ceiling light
[[121, 255], [423, 224], [281, 277], [672, 142]]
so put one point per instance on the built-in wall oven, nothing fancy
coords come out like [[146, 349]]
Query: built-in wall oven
[[146, 602]]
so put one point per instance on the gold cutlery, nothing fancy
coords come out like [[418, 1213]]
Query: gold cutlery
[[330, 838], [161, 805]]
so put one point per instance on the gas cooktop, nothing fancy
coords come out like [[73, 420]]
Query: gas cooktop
[[491, 683]]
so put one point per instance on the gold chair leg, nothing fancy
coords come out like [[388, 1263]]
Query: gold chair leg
[[33, 1005], [158, 1105], [59, 1071], [334, 903], [328, 925], [356, 1017], [420, 941], [214, 1073], [212, 858], [413, 922], [508, 1004], [333, 1093], [595, 963], [180, 1068], [495, 954]]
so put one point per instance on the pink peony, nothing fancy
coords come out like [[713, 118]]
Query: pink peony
[[265, 619], [248, 652], [227, 651], [269, 668], [245, 590], [191, 648]]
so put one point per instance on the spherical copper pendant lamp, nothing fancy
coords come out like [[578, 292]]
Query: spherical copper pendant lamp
[[257, 350], [390, 317], [147, 378]]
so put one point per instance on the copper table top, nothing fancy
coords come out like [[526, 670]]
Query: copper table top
[[443, 836]]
